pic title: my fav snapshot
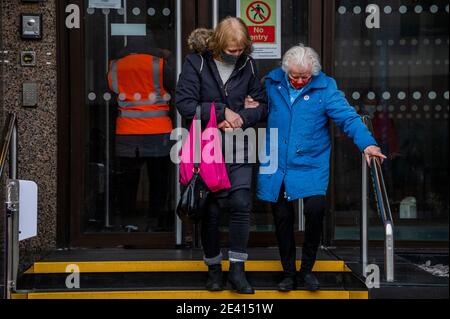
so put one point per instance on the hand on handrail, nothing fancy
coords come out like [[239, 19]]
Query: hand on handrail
[[373, 151]]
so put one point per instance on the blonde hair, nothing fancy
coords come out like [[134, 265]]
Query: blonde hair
[[302, 56], [230, 30]]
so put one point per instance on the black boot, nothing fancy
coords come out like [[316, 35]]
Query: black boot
[[236, 277], [309, 280], [287, 284], [306, 276], [214, 282]]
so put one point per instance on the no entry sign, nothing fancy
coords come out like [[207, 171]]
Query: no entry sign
[[263, 20], [258, 12]]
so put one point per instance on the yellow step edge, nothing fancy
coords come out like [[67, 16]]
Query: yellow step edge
[[200, 294], [347, 268], [19, 296], [172, 266], [359, 294]]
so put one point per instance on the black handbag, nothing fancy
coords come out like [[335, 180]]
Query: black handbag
[[193, 199], [194, 195]]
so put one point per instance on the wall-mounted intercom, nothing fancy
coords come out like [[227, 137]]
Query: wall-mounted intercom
[[31, 25], [30, 94]]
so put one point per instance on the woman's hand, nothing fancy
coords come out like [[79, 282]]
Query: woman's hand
[[234, 119], [373, 151], [249, 103], [224, 125]]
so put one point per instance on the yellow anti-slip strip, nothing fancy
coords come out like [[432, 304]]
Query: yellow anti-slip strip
[[197, 294], [170, 266]]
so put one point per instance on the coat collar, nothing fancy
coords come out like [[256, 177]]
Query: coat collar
[[318, 81]]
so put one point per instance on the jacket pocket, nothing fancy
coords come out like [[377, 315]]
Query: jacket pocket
[[307, 137], [304, 160]]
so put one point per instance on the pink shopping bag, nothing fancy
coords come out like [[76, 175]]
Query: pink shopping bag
[[212, 166]]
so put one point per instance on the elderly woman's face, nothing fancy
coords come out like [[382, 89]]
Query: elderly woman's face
[[234, 49], [299, 73]]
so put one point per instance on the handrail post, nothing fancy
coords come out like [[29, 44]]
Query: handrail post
[[363, 225], [383, 209], [11, 236], [11, 249], [389, 252], [13, 153], [15, 222], [301, 215]]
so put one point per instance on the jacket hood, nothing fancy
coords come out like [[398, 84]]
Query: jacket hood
[[198, 39]]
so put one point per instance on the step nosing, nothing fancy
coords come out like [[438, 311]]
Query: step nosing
[[195, 294], [169, 266]]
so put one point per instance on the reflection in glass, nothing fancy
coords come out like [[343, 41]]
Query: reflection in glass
[[129, 178], [398, 75]]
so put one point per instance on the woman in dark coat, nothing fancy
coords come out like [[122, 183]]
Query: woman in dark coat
[[222, 71]]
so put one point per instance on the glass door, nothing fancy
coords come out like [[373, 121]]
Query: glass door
[[123, 182], [397, 74]]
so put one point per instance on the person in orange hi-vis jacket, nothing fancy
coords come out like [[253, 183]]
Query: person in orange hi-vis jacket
[[142, 78]]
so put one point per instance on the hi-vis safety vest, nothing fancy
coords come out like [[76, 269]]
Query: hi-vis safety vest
[[142, 99]]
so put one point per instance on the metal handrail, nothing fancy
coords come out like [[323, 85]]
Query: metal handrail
[[11, 220], [383, 209], [6, 141]]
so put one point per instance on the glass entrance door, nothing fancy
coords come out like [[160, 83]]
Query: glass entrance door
[[123, 179], [398, 75]]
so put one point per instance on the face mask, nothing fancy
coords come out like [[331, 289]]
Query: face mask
[[300, 83], [229, 59]]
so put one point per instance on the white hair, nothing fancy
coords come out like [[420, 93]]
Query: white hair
[[302, 56]]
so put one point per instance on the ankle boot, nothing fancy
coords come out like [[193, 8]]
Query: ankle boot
[[214, 282], [309, 280], [287, 284], [236, 277]]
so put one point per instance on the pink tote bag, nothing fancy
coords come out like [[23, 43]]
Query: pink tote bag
[[212, 165]]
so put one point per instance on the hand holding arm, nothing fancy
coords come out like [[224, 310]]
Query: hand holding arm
[[234, 119]]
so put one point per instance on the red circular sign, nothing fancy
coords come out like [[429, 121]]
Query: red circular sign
[[258, 12]]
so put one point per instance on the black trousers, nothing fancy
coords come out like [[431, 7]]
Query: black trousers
[[127, 182], [239, 203], [284, 217]]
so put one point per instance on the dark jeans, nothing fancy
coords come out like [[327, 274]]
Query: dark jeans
[[239, 202], [284, 217]]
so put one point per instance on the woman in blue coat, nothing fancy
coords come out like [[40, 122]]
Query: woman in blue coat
[[222, 71], [301, 100]]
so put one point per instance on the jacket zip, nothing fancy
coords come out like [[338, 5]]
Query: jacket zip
[[233, 75], [280, 87]]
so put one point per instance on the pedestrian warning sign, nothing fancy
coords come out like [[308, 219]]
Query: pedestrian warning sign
[[258, 12], [263, 20]]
